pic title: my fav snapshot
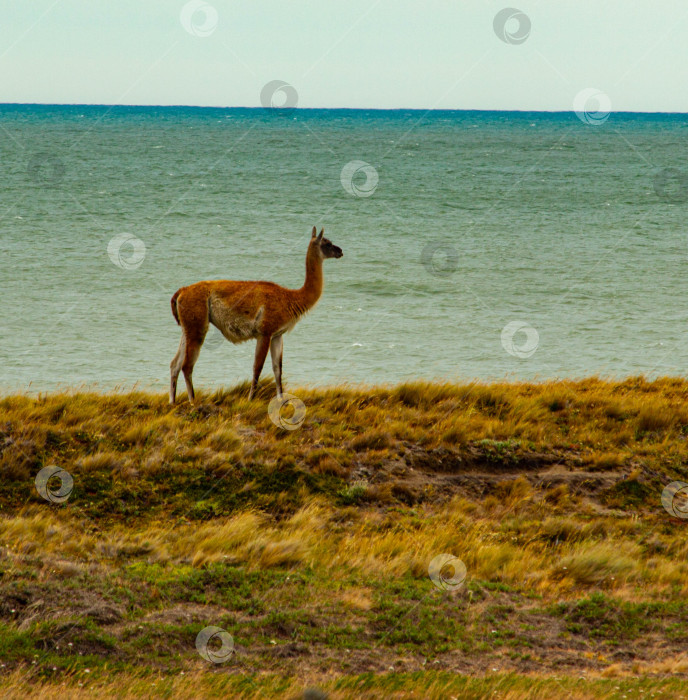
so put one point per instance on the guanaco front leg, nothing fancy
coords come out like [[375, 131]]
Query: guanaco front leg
[[276, 354], [261, 353]]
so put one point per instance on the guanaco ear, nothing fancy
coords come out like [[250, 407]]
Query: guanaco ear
[[322, 230], [313, 232]]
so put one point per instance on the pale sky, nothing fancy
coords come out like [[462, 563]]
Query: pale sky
[[442, 54]]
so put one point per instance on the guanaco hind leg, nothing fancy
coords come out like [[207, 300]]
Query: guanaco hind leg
[[193, 348], [176, 368], [184, 361], [193, 318]]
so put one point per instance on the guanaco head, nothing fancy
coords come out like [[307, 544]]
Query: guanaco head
[[324, 245]]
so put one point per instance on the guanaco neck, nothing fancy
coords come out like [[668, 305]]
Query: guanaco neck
[[313, 286]]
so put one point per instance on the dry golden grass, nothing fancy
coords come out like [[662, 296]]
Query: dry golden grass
[[499, 542], [430, 686], [607, 425], [547, 492]]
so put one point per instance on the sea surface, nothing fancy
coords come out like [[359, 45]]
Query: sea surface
[[477, 245]]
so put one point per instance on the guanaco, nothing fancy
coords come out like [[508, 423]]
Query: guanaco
[[244, 310]]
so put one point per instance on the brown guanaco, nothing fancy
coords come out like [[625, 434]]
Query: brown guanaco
[[245, 310]]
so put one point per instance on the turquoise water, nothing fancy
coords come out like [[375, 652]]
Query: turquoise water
[[572, 237]]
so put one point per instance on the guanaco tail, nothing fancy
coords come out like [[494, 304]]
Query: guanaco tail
[[245, 310]]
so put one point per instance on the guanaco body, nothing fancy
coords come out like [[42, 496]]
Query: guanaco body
[[244, 311]]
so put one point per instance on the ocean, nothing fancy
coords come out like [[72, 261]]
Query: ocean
[[477, 245]]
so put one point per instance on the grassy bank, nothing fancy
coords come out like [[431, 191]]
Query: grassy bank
[[311, 546]]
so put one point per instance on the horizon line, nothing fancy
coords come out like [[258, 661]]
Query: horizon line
[[333, 109]]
